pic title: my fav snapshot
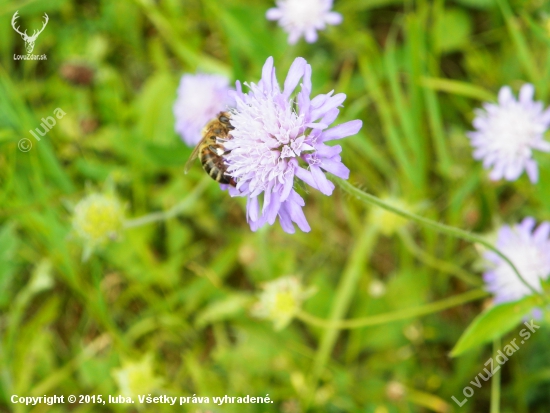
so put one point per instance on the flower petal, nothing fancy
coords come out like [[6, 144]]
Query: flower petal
[[342, 131], [335, 168], [295, 73], [274, 14], [323, 184]]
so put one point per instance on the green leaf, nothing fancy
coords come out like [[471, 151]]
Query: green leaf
[[494, 323], [452, 30], [9, 243], [223, 309], [478, 4], [459, 88]]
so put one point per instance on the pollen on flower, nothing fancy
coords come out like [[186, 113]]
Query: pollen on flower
[[281, 300], [507, 133], [529, 250], [98, 219], [137, 377]]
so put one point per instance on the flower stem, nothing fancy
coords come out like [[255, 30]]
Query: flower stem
[[436, 263], [172, 212], [346, 288], [394, 315], [445, 229], [495, 383]]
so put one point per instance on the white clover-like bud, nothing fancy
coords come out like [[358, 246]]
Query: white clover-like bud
[[281, 300], [98, 219], [137, 377]]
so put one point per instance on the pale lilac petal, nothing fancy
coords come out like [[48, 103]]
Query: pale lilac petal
[[323, 184], [267, 73], [272, 209], [295, 73], [311, 35], [505, 95], [526, 226], [200, 98], [541, 234], [286, 222], [333, 18], [306, 176], [532, 171], [526, 94], [273, 14], [528, 248], [303, 18], [331, 103], [507, 133], [253, 208], [335, 168], [271, 138], [343, 130]]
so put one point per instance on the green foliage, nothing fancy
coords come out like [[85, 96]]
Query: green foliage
[[172, 299], [494, 323]]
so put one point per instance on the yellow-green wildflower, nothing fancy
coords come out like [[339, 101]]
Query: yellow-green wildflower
[[281, 300], [98, 219], [135, 378]]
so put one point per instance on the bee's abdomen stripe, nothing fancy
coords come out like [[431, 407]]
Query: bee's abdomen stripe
[[209, 165]]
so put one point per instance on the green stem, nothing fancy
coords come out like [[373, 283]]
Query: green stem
[[395, 315], [435, 262], [341, 302], [172, 212], [495, 383], [445, 229]]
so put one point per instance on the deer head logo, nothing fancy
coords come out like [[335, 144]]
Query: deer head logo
[[29, 40]]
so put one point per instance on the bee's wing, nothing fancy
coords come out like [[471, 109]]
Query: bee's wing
[[193, 156]]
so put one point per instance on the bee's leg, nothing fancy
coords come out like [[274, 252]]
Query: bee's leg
[[217, 149]]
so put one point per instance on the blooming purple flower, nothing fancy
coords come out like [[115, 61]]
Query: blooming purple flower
[[200, 98], [303, 17], [275, 134], [529, 251], [507, 133]]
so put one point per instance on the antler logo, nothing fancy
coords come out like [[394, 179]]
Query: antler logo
[[29, 40]]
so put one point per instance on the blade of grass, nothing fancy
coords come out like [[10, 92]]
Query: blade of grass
[[373, 86], [457, 87], [342, 300], [525, 57], [404, 114]]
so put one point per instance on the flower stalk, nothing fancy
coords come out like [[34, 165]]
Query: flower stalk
[[172, 212], [394, 315], [445, 229]]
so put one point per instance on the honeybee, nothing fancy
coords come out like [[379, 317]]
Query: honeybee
[[211, 149]]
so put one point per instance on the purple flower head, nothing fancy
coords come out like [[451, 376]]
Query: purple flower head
[[278, 137], [529, 251], [303, 17], [200, 98], [507, 133]]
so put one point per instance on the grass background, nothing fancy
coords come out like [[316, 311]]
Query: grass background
[[179, 292]]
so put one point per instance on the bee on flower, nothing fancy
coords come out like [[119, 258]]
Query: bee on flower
[[277, 138]]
